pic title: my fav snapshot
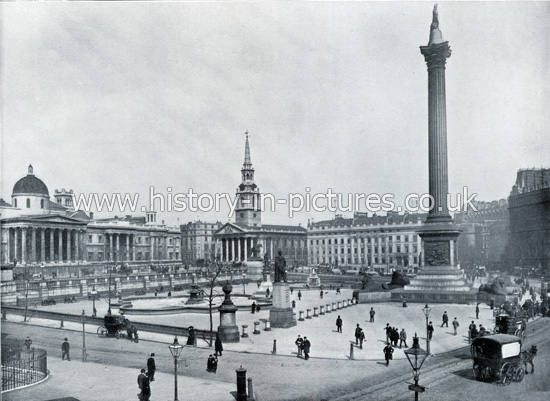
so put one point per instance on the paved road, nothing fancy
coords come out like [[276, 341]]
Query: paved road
[[447, 376]]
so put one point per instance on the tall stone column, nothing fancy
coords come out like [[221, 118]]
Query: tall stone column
[[239, 249], [134, 247], [245, 258], [42, 245], [69, 244], [16, 244], [23, 245], [33, 245], [52, 245], [85, 246], [111, 253], [127, 253], [117, 255], [7, 256], [77, 245]]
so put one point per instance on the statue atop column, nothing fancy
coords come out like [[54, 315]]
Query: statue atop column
[[280, 268]]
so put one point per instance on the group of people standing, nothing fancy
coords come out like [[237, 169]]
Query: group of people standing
[[393, 335], [304, 346], [145, 378]]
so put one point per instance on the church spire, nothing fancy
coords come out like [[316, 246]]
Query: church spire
[[247, 162]]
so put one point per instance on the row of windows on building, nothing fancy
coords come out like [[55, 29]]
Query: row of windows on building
[[28, 203], [100, 256], [398, 249], [364, 261], [99, 239], [394, 238]]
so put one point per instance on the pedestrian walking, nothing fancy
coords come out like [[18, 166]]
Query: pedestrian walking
[[394, 336], [371, 313], [291, 290], [321, 294], [257, 308], [65, 350], [361, 338], [357, 333], [299, 295], [140, 383], [218, 346], [145, 388], [388, 353], [388, 333], [300, 344], [445, 320], [253, 307], [151, 368], [339, 324], [477, 311], [403, 338], [267, 293], [293, 303], [28, 343], [307, 348], [212, 364], [430, 331], [455, 325], [338, 290]]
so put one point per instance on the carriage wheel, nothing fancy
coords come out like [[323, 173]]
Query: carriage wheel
[[477, 372], [101, 331], [505, 374], [520, 333], [519, 373]]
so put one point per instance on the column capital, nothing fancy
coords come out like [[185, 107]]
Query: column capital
[[436, 55]]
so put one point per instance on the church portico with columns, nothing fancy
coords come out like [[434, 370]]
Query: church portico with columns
[[248, 237]]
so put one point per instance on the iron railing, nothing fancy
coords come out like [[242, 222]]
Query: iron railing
[[21, 367]]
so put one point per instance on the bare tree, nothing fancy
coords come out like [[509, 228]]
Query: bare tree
[[214, 270]]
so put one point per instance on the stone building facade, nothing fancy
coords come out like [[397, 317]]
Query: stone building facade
[[38, 232], [198, 241], [380, 242]]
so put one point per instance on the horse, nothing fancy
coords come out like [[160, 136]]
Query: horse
[[528, 356]]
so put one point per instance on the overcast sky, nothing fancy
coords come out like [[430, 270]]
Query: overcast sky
[[119, 97]]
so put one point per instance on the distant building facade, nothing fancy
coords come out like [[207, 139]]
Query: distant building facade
[[38, 231], [198, 241], [529, 208], [248, 236], [380, 242], [485, 233]]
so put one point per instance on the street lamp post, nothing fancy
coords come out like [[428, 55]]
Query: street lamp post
[[427, 311], [83, 336], [175, 349], [416, 357], [244, 284], [93, 293]]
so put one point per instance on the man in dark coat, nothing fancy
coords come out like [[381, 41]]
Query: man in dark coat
[[299, 295], [388, 351], [151, 367], [145, 388], [357, 334], [140, 382], [361, 338], [388, 333], [445, 320], [300, 344], [307, 347], [65, 350], [394, 336], [372, 313], [477, 311], [218, 346], [339, 324], [430, 331], [253, 310]]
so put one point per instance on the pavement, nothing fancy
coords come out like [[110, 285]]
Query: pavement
[[106, 378]]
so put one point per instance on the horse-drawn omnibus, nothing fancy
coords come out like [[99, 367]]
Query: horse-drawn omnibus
[[498, 358]]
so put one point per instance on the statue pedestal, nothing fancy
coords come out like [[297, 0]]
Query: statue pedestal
[[228, 331], [281, 315]]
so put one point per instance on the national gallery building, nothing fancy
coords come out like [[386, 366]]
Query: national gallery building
[[38, 231]]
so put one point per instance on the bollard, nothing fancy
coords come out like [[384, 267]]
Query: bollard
[[315, 309], [274, 352], [333, 306], [308, 313], [350, 302], [351, 356], [61, 326], [322, 310], [250, 390], [301, 319], [339, 305], [245, 334], [256, 328], [344, 303], [267, 325], [328, 308], [241, 384]]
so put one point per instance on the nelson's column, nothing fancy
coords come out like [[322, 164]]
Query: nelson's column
[[440, 279]]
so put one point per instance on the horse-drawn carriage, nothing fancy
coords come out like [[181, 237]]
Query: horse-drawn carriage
[[511, 324], [498, 358], [116, 326]]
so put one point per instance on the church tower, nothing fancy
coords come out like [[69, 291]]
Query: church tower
[[248, 211]]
